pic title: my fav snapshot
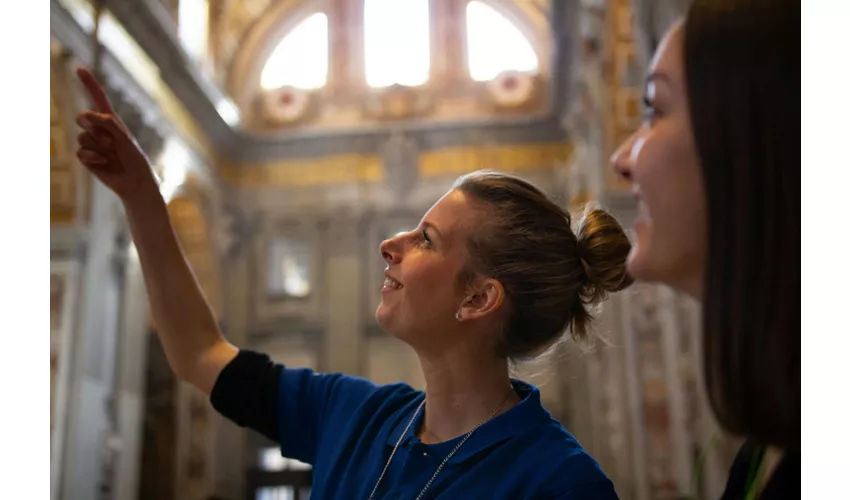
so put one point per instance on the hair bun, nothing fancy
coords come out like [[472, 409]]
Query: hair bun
[[603, 249]]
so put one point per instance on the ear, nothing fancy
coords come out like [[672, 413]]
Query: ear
[[484, 298]]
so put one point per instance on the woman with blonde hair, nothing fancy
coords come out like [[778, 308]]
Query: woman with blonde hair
[[494, 272]]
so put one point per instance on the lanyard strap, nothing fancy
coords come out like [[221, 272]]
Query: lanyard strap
[[757, 467], [700, 464], [756, 471]]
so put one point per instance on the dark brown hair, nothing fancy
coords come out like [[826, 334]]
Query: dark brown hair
[[742, 71], [551, 275]]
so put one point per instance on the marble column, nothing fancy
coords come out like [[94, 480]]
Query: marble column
[[132, 359], [91, 425]]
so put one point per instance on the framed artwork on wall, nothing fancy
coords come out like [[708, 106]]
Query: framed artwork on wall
[[290, 268], [288, 272]]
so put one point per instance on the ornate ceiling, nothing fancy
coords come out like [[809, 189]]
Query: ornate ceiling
[[239, 27], [237, 20], [245, 31]]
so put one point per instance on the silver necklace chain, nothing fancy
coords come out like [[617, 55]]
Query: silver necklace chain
[[445, 460]]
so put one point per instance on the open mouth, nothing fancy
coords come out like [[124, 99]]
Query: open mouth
[[392, 284]]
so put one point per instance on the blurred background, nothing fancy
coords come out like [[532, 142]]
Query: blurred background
[[291, 137]]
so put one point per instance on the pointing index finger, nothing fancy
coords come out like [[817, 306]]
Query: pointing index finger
[[95, 91]]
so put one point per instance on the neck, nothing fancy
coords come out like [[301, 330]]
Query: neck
[[462, 389]]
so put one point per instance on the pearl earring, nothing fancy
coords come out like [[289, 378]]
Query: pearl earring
[[457, 315]]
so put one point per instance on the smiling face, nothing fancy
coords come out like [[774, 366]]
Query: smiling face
[[423, 292], [660, 160]]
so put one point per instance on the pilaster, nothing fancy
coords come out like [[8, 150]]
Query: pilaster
[[92, 425], [343, 348]]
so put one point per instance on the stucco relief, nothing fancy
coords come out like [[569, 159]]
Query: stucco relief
[[66, 201], [400, 154], [645, 304], [584, 119]]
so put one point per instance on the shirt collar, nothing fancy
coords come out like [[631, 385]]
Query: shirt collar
[[525, 415], [402, 419]]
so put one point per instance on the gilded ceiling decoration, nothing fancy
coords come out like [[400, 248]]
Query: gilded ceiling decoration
[[245, 33], [235, 18]]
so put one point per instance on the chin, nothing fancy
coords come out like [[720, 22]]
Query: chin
[[383, 316], [638, 261]]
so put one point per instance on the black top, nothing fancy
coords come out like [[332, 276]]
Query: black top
[[246, 392], [784, 483]]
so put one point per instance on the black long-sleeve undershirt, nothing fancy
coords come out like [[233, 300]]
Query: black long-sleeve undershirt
[[246, 392]]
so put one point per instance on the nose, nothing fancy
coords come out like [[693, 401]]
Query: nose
[[622, 159], [389, 252]]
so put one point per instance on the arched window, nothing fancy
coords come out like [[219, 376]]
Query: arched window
[[301, 58], [397, 42], [495, 44], [193, 27]]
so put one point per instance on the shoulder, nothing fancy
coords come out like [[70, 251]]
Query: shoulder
[[391, 398], [571, 471], [556, 461], [785, 478], [305, 382]]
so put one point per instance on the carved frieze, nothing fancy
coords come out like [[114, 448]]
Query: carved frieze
[[397, 102]]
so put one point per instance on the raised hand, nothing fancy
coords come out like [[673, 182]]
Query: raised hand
[[108, 149]]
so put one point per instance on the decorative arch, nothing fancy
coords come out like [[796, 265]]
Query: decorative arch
[[260, 40], [305, 45], [496, 42]]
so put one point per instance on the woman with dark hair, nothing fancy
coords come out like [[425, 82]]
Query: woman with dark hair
[[493, 273], [716, 171]]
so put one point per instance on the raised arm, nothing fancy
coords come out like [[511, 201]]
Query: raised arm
[[195, 347]]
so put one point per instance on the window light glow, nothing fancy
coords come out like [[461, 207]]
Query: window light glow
[[301, 58], [193, 27], [397, 42], [495, 44]]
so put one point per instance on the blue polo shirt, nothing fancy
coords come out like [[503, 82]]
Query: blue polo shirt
[[346, 428]]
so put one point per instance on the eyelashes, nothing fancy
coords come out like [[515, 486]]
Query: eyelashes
[[649, 110]]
